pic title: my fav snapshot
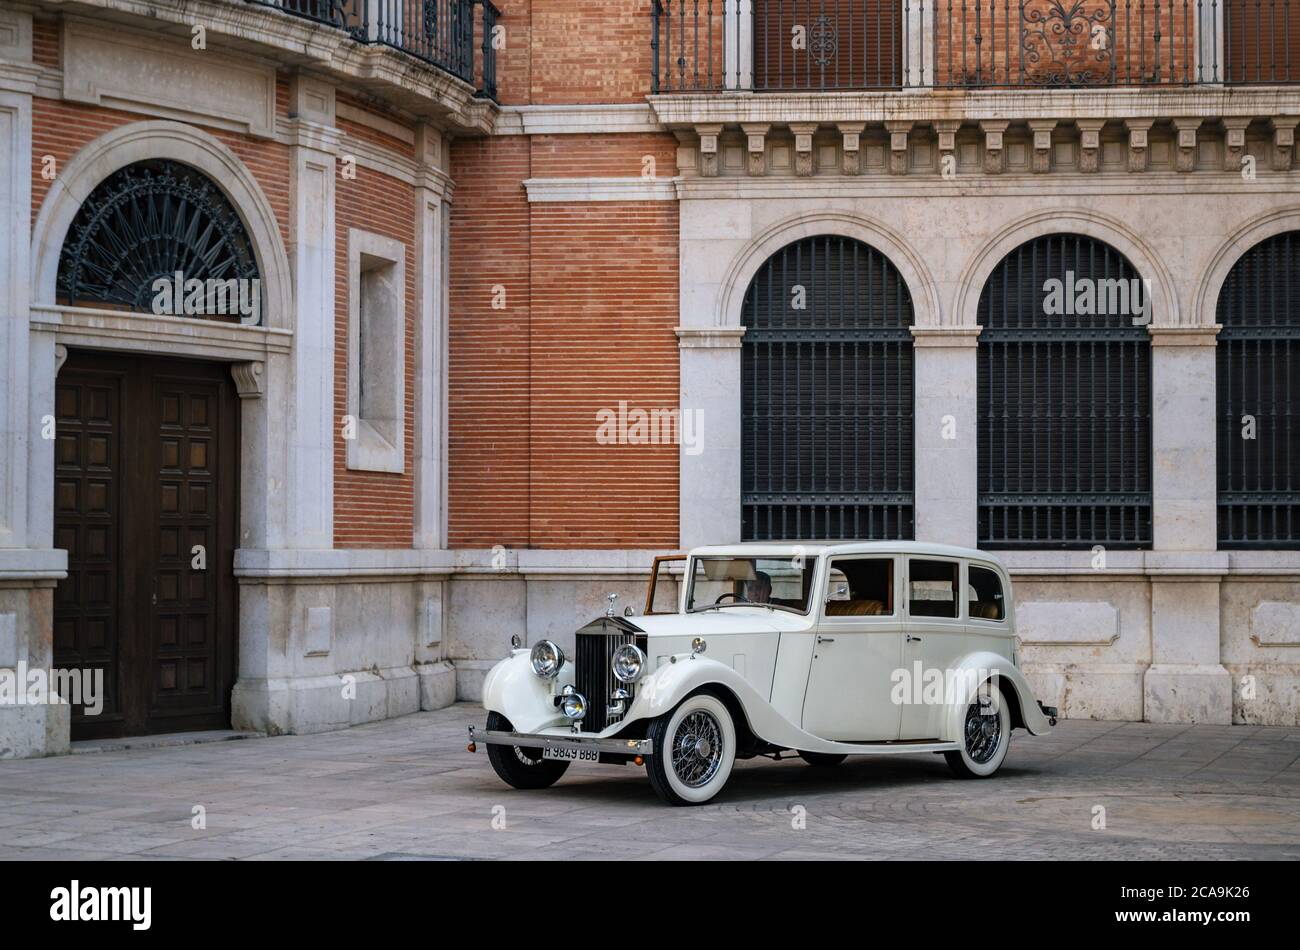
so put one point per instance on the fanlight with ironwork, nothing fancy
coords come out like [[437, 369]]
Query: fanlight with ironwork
[[150, 220]]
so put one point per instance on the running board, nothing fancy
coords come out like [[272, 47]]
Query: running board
[[905, 747]]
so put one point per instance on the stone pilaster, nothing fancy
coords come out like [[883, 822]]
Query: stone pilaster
[[945, 496], [710, 478]]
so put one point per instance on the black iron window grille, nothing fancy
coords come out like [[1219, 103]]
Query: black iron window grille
[[827, 391], [150, 220], [1064, 402], [1258, 359]]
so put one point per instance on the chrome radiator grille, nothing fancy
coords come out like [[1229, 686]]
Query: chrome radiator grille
[[594, 676]]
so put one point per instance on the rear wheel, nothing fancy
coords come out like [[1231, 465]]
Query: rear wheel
[[692, 751], [521, 766], [985, 738], [822, 760]]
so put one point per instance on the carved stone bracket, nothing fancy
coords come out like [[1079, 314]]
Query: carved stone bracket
[[852, 152], [756, 148], [1185, 160], [898, 132], [1283, 141], [1139, 151], [1042, 129], [248, 377], [994, 153], [60, 357], [947, 132], [803, 156], [708, 149], [1234, 143], [1089, 143]]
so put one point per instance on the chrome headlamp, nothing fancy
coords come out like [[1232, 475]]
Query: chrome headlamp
[[547, 658], [574, 704], [628, 663]]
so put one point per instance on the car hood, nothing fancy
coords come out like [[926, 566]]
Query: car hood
[[719, 622]]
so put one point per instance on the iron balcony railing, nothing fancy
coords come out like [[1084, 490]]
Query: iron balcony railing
[[801, 45], [439, 32]]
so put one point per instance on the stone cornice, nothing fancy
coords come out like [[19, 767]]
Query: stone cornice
[[600, 189], [399, 80], [929, 106], [576, 119]]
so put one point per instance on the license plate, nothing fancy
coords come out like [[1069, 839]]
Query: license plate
[[570, 754]]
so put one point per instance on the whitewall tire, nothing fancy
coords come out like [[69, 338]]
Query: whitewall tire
[[693, 750], [985, 737]]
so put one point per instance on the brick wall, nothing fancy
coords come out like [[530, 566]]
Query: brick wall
[[591, 304], [373, 509]]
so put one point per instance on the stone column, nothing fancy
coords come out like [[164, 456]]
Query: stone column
[[945, 495], [1186, 681], [710, 479], [29, 566], [311, 254]]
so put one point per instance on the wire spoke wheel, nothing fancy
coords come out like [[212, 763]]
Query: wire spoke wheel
[[983, 730], [697, 749]]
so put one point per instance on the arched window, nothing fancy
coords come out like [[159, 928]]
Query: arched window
[[1258, 396], [1064, 398], [151, 220], [826, 401]]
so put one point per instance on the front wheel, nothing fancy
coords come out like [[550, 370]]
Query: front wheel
[[519, 766], [985, 738], [692, 751]]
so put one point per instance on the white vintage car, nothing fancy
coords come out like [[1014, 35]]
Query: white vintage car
[[759, 649]]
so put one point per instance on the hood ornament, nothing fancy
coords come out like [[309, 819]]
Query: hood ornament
[[611, 597]]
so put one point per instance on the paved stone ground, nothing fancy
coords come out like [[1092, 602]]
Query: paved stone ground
[[407, 789]]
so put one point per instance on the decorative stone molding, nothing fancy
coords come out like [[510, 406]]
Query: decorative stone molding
[[851, 161], [248, 379], [708, 135], [1283, 141], [1089, 143], [949, 336], [600, 189], [803, 138], [994, 153], [709, 338], [1139, 151], [898, 132], [756, 148], [60, 357], [1234, 143], [688, 152], [1042, 160], [947, 132], [1184, 336], [1185, 144]]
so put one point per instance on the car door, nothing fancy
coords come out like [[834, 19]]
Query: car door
[[858, 649], [934, 641]]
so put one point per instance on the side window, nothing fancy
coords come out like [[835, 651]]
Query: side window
[[860, 587], [932, 588], [985, 595]]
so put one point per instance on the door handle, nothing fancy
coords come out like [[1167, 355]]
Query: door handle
[[912, 639], [821, 639]]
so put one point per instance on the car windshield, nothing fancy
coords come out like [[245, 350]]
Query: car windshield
[[782, 583]]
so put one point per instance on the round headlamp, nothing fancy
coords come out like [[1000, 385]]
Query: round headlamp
[[628, 663], [547, 658], [575, 704]]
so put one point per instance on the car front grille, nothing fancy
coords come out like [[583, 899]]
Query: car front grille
[[594, 675]]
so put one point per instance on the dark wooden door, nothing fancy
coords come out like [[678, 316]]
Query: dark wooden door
[[146, 505]]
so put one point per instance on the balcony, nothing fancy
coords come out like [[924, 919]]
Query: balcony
[[706, 46], [442, 33]]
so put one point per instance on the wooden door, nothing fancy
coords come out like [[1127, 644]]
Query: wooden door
[[146, 504]]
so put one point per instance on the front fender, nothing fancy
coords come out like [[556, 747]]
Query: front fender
[[973, 672], [512, 689]]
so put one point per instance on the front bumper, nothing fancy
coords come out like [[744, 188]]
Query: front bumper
[[537, 740]]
